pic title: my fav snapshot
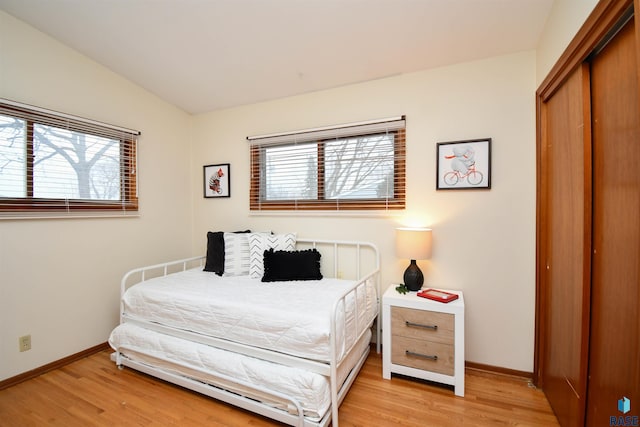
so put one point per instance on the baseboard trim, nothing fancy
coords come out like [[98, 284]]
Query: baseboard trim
[[51, 366], [498, 370]]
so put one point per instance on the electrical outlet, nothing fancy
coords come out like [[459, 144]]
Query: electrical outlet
[[25, 343]]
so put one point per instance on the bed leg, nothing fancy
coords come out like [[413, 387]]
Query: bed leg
[[334, 400], [334, 415], [119, 361]]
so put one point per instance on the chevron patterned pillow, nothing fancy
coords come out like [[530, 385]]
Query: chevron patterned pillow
[[259, 242]]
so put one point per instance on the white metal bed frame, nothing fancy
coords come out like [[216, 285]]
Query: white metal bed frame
[[329, 370]]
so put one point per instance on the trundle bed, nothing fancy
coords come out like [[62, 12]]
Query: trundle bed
[[279, 341]]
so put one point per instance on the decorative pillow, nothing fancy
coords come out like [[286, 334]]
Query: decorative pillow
[[291, 265], [215, 251], [236, 254], [260, 242]]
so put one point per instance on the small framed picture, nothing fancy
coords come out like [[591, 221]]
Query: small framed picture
[[217, 180], [464, 165]]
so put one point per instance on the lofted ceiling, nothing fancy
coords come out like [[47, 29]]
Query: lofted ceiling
[[203, 55]]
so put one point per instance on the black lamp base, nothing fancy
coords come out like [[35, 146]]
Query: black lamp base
[[413, 277]]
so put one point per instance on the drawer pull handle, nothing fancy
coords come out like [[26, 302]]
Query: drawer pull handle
[[418, 325], [424, 356]]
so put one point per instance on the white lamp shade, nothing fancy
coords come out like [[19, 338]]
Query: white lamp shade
[[413, 243]]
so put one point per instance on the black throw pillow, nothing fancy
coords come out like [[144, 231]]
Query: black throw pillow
[[291, 265], [215, 251]]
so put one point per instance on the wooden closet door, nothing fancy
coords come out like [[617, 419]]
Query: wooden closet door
[[566, 215], [614, 370]]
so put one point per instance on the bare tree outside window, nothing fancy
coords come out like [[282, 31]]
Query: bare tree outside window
[[53, 163], [75, 165], [65, 164], [358, 168], [353, 168]]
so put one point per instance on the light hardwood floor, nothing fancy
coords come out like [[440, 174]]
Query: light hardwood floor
[[93, 392]]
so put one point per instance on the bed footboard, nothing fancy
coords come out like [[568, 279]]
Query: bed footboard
[[350, 259], [141, 274]]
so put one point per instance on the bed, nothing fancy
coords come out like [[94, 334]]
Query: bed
[[281, 330]]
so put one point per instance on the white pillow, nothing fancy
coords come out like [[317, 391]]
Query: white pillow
[[260, 242], [236, 254]]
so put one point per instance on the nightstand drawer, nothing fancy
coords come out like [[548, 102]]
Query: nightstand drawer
[[422, 324], [425, 355]]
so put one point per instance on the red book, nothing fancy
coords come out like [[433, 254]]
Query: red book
[[437, 295]]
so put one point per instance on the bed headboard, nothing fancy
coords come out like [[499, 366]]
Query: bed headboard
[[340, 259]]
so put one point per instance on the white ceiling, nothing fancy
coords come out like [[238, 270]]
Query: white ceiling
[[203, 55]]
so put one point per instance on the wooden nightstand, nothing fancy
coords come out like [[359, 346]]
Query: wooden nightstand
[[422, 338]]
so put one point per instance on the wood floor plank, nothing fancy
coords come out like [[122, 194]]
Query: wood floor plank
[[94, 392]]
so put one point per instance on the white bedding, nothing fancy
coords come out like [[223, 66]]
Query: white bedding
[[296, 320], [162, 351]]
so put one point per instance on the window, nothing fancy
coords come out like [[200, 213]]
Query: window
[[359, 166], [55, 162]]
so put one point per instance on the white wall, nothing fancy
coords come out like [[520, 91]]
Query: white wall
[[564, 21], [484, 241], [59, 279]]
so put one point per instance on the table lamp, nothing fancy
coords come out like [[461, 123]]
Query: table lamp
[[413, 244]]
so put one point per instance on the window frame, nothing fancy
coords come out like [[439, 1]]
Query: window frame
[[256, 203], [128, 201]]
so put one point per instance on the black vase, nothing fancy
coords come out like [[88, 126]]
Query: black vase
[[413, 278]]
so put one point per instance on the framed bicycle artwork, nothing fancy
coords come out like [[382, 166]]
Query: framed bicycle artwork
[[464, 165], [217, 180]]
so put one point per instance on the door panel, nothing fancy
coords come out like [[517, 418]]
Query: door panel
[[614, 352], [566, 126]]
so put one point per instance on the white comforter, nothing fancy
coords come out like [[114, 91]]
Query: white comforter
[[289, 317]]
